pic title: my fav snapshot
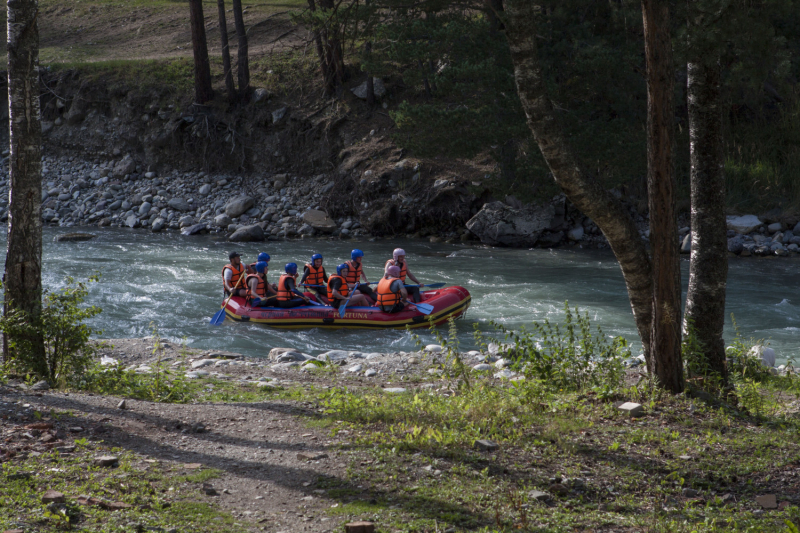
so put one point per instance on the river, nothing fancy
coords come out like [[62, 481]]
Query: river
[[173, 282]]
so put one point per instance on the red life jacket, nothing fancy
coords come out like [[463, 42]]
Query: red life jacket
[[403, 269], [261, 288], [387, 298], [316, 276], [344, 290], [354, 272], [236, 274]]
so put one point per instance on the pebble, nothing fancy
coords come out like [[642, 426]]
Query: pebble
[[482, 367], [355, 368], [106, 460], [394, 390], [371, 372], [433, 348]]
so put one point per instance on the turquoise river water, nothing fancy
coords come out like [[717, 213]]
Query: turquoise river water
[[174, 282]]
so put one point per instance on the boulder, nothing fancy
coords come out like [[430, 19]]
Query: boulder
[[774, 227], [319, 220], [743, 224], [248, 234], [279, 114], [179, 204], [378, 89], [575, 234], [260, 95], [223, 220], [238, 206], [74, 237], [736, 244], [157, 225], [124, 168], [132, 221], [500, 225], [193, 229], [205, 190]]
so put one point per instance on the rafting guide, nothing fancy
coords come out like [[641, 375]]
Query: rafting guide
[[344, 299]]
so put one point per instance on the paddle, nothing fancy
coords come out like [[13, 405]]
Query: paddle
[[425, 309], [431, 286], [219, 317], [344, 305]]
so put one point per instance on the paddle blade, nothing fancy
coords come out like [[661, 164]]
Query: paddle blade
[[218, 318], [342, 310], [425, 309]]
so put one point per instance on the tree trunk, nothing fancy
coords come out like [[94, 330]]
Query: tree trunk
[[584, 192], [493, 10], [23, 271], [202, 71], [226, 53], [242, 60], [661, 184], [327, 76], [708, 271]]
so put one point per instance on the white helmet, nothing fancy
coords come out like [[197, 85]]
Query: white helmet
[[397, 253]]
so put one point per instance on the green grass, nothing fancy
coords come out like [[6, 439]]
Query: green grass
[[158, 497]]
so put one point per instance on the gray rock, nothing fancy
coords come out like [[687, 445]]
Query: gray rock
[[203, 362], [288, 357], [179, 204], [371, 372], [774, 227], [319, 220], [539, 495], [41, 385], [787, 236], [106, 460], [486, 445], [157, 225], [736, 244], [632, 409], [355, 368], [793, 247], [686, 245], [238, 206], [74, 237], [575, 234], [194, 229], [115, 205], [132, 221], [796, 229], [144, 209], [223, 220], [248, 234], [205, 190], [279, 114], [334, 355], [123, 168], [394, 390], [126, 205], [482, 367], [378, 89], [498, 224], [186, 221], [260, 95], [743, 224], [122, 405]]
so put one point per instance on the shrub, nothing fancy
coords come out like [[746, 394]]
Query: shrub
[[565, 357], [68, 349]]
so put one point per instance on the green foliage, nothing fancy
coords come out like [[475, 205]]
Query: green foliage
[[68, 349], [454, 366], [565, 357]]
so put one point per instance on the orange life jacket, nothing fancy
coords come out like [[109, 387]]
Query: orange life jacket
[[403, 269], [387, 298], [261, 288], [236, 274], [354, 272], [316, 276], [344, 290], [284, 294]]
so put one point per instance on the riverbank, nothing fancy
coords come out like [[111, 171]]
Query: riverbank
[[262, 448]]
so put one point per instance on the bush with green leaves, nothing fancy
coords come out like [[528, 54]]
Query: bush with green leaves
[[568, 356], [67, 338]]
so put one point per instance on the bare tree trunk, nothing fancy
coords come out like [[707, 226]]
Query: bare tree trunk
[[327, 76], [708, 271], [226, 53], [662, 184], [242, 60], [202, 71], [23, 272], [584, 192]]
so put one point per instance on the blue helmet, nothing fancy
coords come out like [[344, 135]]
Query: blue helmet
[[261, 266], [341, 267], [315, 257], [355, 254], [291, 268], [263, 256]]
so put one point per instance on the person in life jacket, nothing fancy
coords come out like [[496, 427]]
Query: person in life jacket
[[339, 291], [315, 278], [392, 294], [259, 293], [233, 276], [399, 260], [288, 295], [251, 268], [355, 274]]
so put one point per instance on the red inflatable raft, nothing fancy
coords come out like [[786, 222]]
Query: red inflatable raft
[[450, 302]]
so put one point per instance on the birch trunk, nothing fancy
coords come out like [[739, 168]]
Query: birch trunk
[[226, 52], [708, 271], [23, 270], [584, 192], [242, 51], [202, 71], [662, 185]]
